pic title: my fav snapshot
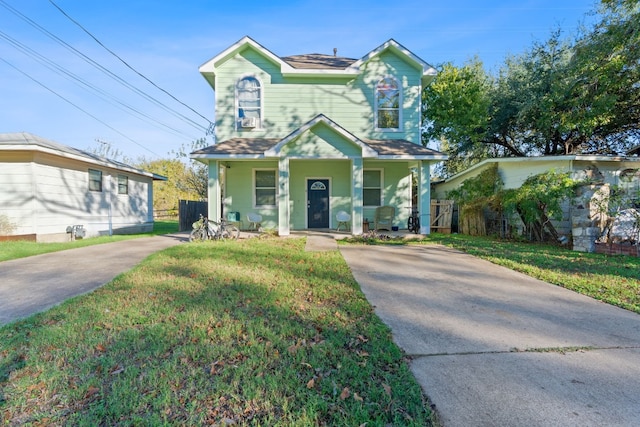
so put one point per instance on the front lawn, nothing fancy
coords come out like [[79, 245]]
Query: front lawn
[[255, 332], [21, 249]]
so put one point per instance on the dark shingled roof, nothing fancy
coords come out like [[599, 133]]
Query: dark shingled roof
[[318, 61], [257, 146], [240, 146], [399, 147]]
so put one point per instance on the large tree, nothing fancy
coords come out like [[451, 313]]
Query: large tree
[[559, 97]]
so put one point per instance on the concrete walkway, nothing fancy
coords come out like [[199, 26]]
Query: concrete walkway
[[34, 284], [492, 347]]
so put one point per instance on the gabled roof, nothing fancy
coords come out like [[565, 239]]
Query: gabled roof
[[315, 64], [321, 118], [24, 141], [428, 72], [260, 148]]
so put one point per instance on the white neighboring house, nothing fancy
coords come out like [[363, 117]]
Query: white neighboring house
[[46, 187]]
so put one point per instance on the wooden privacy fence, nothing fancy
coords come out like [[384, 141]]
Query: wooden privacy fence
[[441, 213], [189, 212]]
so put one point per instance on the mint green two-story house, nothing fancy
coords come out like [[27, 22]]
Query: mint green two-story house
[[301, 138]]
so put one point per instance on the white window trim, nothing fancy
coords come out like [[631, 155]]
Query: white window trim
[[381, 186], [400, 101], [237, 103], [101, 180], [118, 184], [254, 188]]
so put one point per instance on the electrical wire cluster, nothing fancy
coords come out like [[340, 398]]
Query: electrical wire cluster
[[191, 118]]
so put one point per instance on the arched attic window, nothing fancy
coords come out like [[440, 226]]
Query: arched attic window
[[388, 101], [249, 103]]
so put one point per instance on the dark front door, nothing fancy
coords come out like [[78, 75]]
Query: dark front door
[[318, 203]]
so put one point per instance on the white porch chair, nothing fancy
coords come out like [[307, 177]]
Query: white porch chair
[[343, 218], [255, 221]]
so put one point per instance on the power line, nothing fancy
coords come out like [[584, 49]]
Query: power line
[[86, 85], [76, 106], [125, 62], [104, 69]]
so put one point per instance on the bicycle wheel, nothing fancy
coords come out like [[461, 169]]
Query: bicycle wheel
[[416, 225], [410, 224], [197, 234]]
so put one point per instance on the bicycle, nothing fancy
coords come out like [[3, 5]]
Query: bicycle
[[413, 223], [205, 229]]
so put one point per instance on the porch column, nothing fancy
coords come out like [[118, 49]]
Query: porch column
[[283, 197], [424, 196], [214, 196], [356, 196]]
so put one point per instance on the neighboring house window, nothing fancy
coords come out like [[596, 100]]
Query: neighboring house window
[[123, 184], [249, 99], [372, 187], [265, 189], [388, 104], [95, 180], [630, 185]]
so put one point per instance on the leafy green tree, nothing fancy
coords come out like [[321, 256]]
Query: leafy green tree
[[197, 176], [538, 201], [559, 97], [166, 194], [455, 109]]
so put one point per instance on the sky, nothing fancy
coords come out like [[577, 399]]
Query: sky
[[124, 74]]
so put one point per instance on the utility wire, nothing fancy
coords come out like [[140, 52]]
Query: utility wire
[[127, 64], [88, 86], [102, 68], [76, 106]]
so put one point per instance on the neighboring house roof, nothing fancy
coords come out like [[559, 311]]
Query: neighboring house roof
[[24, 141], [270, 147], [576, 157], [314, 64]]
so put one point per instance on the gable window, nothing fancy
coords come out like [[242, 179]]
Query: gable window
[[372, 187], [388, 104], [123, 184], [249, 100], [264, 188], [95, 180]]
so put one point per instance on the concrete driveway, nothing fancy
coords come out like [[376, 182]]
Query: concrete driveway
[[34, 284], [492, 347]]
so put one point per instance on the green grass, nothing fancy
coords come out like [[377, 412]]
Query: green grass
[[21, 249], [612, 279], [258, 332]]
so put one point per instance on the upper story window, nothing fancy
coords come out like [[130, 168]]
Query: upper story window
[[95, 180], [388, 104], [249, 100]]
